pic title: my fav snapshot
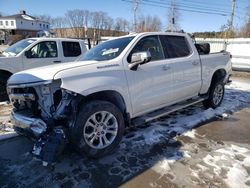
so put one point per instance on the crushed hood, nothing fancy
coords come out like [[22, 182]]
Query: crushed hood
[[45, 73]]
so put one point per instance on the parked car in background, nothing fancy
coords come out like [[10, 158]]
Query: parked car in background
[[125, 81], [37, 52]]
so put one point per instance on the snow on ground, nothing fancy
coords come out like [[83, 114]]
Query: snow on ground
[[233, 161], [237, 96], [154, 146]]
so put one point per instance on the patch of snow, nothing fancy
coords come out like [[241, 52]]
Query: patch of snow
[[212, 161], [226, 158], [237, 96], [237, 176], [239, 149], [162, 167], [4, 103], [186, 154], [190, 134], [246, 161], [203, 168], [26, 17]]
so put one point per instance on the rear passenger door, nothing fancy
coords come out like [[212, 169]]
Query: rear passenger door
[[186, 66], [71, 50]]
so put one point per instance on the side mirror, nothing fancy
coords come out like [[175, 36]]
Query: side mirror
[[138, 59], [28, 54]]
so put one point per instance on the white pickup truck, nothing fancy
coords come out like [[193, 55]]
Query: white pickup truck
[[36, 52], [94, 99]]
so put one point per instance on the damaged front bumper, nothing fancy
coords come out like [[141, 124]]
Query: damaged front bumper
[[35, 126]]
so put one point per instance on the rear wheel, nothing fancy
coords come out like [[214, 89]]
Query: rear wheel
[[216, 95], [99, 128], [3, 91]]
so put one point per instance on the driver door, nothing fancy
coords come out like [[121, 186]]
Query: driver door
[[150, 85], [42, 54]]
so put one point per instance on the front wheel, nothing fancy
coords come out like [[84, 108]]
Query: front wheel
[[98, 129], [216, 95]]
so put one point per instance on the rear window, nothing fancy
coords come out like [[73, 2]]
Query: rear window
[[71, 49], [175, 46]]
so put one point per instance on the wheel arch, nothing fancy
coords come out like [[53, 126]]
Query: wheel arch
[[113, 97], [5, 72], [219, 75]]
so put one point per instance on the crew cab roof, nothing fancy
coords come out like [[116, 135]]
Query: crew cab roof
[[53, 38]]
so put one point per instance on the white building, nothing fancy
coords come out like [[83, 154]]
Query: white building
[[21, 24]]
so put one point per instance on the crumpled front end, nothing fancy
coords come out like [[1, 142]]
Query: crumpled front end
[[34, 105], [44, 111]]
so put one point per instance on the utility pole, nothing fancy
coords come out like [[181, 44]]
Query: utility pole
[[232, 16], [136, 4], [173, 16]]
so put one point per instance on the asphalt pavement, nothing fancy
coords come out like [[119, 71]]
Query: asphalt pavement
[[213, 152]]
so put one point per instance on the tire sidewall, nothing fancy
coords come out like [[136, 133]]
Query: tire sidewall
[[213, 105], [85, 112]]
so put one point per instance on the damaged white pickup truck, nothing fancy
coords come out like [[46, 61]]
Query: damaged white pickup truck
[[90, 102]]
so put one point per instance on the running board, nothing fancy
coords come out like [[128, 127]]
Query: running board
[[165, 111]]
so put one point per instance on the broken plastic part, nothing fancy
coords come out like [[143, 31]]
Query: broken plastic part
[[50, 146], [38, 127]]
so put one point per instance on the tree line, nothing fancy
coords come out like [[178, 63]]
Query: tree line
[[84, 23]]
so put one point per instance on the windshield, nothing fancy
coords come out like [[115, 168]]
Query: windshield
[[19, 46], [107, 50]]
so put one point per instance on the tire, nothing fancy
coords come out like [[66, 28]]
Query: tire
[[98, 129], [216, 95], [3, 91]]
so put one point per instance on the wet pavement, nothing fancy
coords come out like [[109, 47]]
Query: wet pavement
[[193, 147]]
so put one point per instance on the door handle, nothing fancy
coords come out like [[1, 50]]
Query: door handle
[[195, 62], [166, 67], [57, 61]]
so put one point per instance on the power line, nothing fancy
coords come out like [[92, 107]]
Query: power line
[[190, 7], [181, 9], [200, 5]]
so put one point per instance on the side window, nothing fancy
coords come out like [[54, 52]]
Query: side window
[[175, 46], [47, 49], [151, 44], [71, 49]]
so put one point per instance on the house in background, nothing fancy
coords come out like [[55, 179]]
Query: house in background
[[18, 26]]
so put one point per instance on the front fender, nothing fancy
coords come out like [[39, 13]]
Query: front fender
[[86, 82]]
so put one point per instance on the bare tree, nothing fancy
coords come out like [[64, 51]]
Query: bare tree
[[121, 24], [245, 30], [78, 20], [173, 17], [149, 24], [59, 25], [99, 21], [44, 17], [108, 23], [227, 31]]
